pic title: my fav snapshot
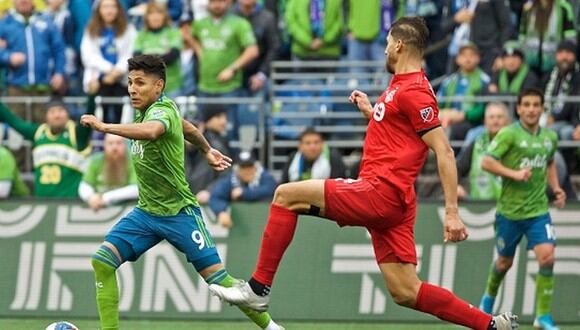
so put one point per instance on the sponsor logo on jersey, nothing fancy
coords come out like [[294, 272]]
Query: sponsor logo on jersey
[[427, 114], [539, 161], [137, 149], [523, 144]]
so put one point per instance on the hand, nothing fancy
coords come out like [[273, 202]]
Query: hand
[[492, 88], [226, 75], [576, 133], [453, 228], [450, 117], [217, 160], [236, 193], [94, 87], [257, 82], [93, 122], [3, 43], [96, 202], [522, 175], [57, 82], [461, 193], [17, 59], [497, 64], [225, 220], [203, 196], [316, 44], [463, 16], [110, 78], [560, 195], [361, 100]]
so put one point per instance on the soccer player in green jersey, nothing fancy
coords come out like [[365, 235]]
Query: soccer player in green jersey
[[166, 209], [522, 154]]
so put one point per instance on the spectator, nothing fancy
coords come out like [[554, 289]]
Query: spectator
[[110, 177], [248, 182], [264, 26], [315, 27], [563, 81], [59, 148], [29, 51], [313, 160], [482, 184], [6, 5], [515, 74], [11, 185], [224, 45], [136, 9], [60, 15], [160, 38], [369, 23], [106, 46], [462, 115], [485, 23], [544, 24], [199, 174]]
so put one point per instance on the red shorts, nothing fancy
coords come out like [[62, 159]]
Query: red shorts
[[379, 207]]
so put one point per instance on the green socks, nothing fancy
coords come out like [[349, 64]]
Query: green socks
[[544, 290], [494, 279], [105, 263], [221, 277]]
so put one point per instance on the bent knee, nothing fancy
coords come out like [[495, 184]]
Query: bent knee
[[502, 265], [282, 195], [404, 297], [546, 260]]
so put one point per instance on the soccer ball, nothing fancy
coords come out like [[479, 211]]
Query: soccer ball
[[62, 325]]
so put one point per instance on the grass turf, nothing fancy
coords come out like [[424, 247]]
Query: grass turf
[[83, 324]]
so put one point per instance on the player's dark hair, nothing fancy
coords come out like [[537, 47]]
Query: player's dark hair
[[412, 31], [310, 131], [149, 64], [531, 91]]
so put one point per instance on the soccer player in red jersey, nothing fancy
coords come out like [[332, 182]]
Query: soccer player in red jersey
[[403, 125]]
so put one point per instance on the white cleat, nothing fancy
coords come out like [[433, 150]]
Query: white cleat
[[506, 321], [241, 295]]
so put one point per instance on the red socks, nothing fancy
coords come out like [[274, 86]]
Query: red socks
[[277, 236], [446, 306]]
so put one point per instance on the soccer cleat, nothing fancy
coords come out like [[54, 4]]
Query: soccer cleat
[[505, 321], [545, 322], [241, 295], [486, 304]]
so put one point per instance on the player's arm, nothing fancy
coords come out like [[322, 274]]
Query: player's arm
[[215, 158], [150, 130], [454, 229], [494, 166], [554, 183]]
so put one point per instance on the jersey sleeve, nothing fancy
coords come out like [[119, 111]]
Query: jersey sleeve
[[501, 144], [420, 107], [246, 34], [554, 148], [159, 114]]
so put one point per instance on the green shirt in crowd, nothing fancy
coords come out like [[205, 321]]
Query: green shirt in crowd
[[222, 42], [158, 43], [94, 175], [9, 172], [163, 190], [517, 148]]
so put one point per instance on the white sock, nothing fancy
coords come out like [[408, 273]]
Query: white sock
[[273, 326]]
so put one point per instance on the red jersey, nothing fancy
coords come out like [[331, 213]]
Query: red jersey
[[393, 148]]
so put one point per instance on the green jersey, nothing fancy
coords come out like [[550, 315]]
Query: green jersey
[[517, 148], [159, 164], [158, 43], [58, 165], [222, 42], [95, 174], [483, 185], [9, 172]]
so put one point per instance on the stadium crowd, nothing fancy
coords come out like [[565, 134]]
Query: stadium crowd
[[225, 49]]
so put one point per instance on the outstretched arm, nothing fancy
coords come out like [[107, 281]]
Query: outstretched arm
[[215, 158], [454, 229], [26, 128], [149, 130]]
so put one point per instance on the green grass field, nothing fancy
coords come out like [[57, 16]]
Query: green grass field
[[17, 324]]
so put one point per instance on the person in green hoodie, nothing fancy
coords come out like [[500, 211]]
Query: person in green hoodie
[[316, 28]]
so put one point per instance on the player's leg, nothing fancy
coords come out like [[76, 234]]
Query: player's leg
[[542, 240], [126, 241], [508, 234], [188, 234]]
